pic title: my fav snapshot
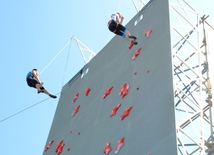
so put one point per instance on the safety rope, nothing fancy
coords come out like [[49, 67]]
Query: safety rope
[[66, 64], [55, 57], [25, 109], [118, 9]]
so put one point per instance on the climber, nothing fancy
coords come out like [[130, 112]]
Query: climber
[[34, 81], [115, 26]]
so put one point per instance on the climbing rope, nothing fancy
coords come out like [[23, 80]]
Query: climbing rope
[[118, 9], [25, 109], [55, 57], [66, 64]]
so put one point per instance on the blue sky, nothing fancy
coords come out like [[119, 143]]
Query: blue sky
[[32, 33]]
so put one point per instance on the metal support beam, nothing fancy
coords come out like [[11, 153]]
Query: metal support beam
[[84, 50], [192, 100]]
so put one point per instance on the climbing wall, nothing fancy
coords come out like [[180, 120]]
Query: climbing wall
[[122, 100]]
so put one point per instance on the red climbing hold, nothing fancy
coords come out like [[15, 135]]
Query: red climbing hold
[[147, 71], [114, 110], [135, 73], [120, 144], [108, 91], [124, 90], [59, 147], [68, 149], [75, 97], [107, 149], [148, 32], [87, 91], [126, 113], [136, 53], [132, 43], [76, 109], [49, 145]]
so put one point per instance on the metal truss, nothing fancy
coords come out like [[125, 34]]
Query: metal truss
[[192, 87], [86, 53], [139, 4]]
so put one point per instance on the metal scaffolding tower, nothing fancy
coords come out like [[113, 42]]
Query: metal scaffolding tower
[[192, 87]]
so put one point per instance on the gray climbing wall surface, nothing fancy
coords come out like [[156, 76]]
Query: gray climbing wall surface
[[135, 83]]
